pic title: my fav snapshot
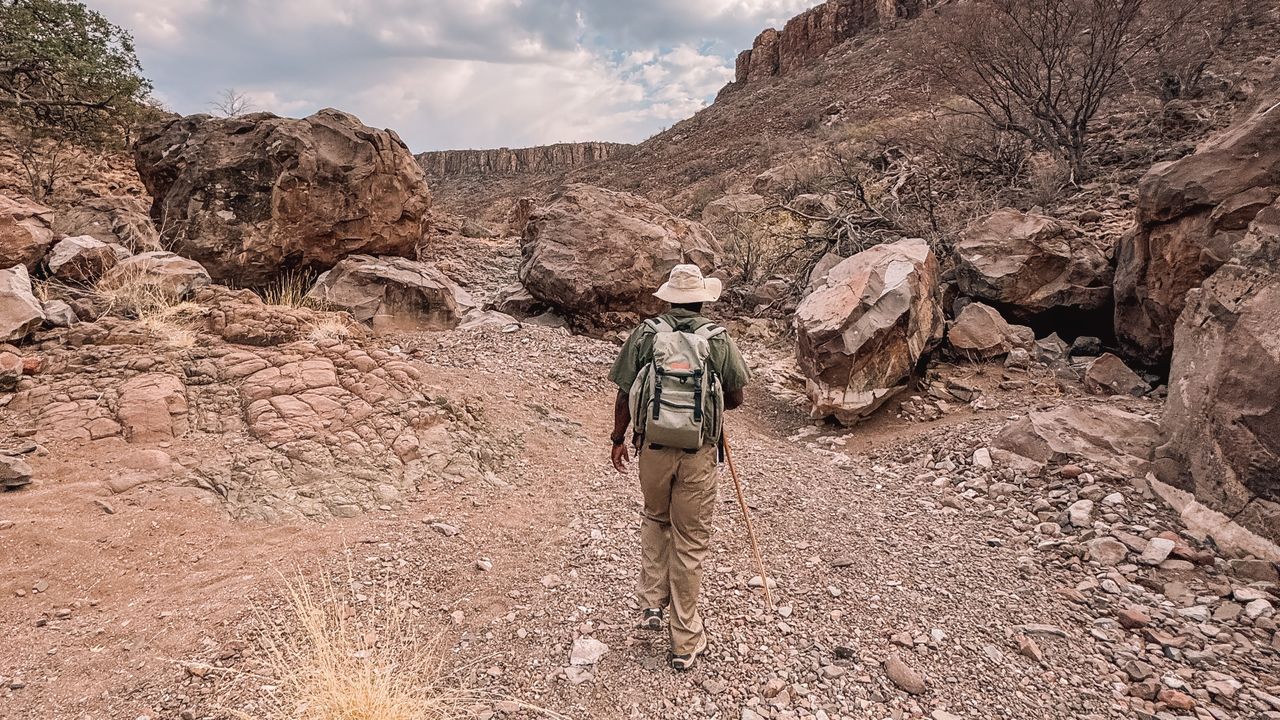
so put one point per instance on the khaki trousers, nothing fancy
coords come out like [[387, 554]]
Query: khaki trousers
[[679, 499]]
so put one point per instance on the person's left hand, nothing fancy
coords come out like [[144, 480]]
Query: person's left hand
[[620, 457]]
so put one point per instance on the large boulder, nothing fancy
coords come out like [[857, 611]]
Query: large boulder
[[1103, 435], [20, 311], [252, 196], [1222, 423], [598, 255], [1030, 264], [25, 232], [980, 333], [117, 220], [1190, 216], [864, 332], [392, 292], [162, 272], [83, 259]]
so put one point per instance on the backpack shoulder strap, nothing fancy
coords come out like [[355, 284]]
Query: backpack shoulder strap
[[708, 331], [658, 325]]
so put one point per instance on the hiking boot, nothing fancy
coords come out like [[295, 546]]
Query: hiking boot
[[685, 663], [651, 619]]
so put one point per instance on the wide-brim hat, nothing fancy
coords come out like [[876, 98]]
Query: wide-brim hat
[[686, 285]]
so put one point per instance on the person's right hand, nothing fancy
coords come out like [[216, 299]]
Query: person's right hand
[[620, 457]]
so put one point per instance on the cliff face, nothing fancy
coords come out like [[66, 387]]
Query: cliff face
[[506, 161], [812, 33]]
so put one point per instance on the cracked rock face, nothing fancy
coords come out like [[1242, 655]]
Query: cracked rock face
[[295, 428], [251, 196], [1223, 419], [862, 333], [1191, 214]]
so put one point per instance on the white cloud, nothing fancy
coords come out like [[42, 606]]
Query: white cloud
[[476, 73]]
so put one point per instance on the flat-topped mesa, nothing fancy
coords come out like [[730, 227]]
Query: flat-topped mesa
[[813, 33], [508, 161]]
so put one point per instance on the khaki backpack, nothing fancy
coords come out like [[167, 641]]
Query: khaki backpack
[[677, 400]]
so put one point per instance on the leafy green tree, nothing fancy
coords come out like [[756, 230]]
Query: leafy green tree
[[68, 77]]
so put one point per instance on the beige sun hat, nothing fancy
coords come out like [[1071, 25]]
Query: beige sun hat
[[686, 285]]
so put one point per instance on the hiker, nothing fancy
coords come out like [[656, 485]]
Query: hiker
[[676, 375]]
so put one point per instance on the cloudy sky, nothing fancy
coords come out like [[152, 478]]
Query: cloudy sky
[[453, 73]]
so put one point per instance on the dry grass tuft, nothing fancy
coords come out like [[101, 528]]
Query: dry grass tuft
[[331, 327], [290, 289], [328, 663], [159, 312]]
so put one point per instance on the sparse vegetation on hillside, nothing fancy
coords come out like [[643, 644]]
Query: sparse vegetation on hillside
[[1044, 69], [68, 79]]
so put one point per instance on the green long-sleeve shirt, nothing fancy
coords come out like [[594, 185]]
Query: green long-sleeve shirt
[[725, 359]]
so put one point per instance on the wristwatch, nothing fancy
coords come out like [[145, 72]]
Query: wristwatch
[[618, 440]]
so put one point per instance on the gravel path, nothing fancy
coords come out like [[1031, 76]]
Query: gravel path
[[912, 580]]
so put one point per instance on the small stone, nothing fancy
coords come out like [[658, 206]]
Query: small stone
[[1107, 552], [484, 564], [1070, 471], [445, 529], [903, 676], [1133, 618], [1080, 514], [587, 651], [833, 671], [1258, 608], [756, 582], [982, 458], [1176, 700], [1157, 551], [1028, 648]]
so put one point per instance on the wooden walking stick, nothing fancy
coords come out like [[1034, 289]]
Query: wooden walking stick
[[746, 517]]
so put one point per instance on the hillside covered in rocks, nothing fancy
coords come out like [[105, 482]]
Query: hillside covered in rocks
[[1023, 465]]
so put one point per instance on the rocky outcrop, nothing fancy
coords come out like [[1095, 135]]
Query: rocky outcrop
[[1190, 216], [545, 159], [597, 255], [392, 292], [864, 332], [253, 196], [83, 259], [1100, 434], [20, 311], [811, 34], [165, 272], [1222, 423], [120, 220], [25, 232], [1029, 264]]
